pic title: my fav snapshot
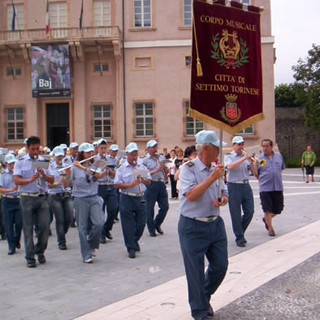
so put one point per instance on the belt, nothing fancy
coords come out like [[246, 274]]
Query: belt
[[133, 194], [206, 219], [10, 197], [158, 180], [105, 183], [61, 194], [27, 194], [240, 182]]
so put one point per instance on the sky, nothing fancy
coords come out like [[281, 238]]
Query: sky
[[295, 26]]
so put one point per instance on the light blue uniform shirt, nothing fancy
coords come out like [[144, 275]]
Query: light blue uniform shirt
[[83, 183], [240, 173], [67, 160], [23, 168], [151, 163], [191, 174], [270, 178], [124, 175], [53, 171], [6, 182]]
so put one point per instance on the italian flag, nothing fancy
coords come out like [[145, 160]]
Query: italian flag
[[47, 18]]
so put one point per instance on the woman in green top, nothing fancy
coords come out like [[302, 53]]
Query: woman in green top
[[308, 160]]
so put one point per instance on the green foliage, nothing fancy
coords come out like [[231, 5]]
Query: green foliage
[[296, 162], [307, 75], [286, 95]]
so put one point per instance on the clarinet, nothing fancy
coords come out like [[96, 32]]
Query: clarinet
[[140, 189]]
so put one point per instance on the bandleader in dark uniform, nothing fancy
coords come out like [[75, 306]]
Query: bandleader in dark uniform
[[201, 229]]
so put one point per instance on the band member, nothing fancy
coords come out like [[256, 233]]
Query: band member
[[87, 203], [69, 159], [114, 161], [201, 229], [10, 205], [156, 191], [35, 209], [270, 184], [107, 192], [132, 205], [238, 164], [59, 199]]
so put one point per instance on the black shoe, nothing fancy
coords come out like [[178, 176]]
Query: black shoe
[[18, 245], [241, 244], [153, 234], [138, 247], [31, 264], [159, 230], [132, 254], [210, 313], [103, 240], [42, 259], [109, 235], [63, 246], [11, 252], [73, 225]]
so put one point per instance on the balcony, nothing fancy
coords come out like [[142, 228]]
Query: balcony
[[39, 36]]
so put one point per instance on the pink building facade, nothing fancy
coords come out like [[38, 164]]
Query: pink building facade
[[129, 73]]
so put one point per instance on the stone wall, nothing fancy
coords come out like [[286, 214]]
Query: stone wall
[[292, 136]]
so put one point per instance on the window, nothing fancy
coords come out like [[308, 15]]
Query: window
[[102, 121], [187, 61], [193, 126], [142, 13], [13, 71], [104, 67], [187, 13], [19, 19], [143, 119], [58, 14], [248, 130], [15, 124], [101, 13]]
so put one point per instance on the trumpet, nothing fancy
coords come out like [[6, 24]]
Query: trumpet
[[254, 159]]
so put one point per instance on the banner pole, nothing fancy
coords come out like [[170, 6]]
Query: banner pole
[[220, 162]]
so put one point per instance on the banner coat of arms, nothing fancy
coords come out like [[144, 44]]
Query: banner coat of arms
[[226, 82]]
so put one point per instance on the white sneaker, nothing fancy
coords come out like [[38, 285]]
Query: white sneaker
[[93, 252], [89, 260]]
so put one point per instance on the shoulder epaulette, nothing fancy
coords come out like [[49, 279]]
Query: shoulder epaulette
[[189, 164]]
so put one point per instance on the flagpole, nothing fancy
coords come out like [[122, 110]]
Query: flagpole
[[220, 162]]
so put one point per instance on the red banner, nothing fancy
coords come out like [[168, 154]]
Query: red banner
[[226, 83]]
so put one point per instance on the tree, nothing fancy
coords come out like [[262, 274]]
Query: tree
[[286, 96], [307, 75]]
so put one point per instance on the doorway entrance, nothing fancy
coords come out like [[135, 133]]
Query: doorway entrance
[[57, 124]]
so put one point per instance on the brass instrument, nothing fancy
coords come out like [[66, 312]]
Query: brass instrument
[[254, 158]]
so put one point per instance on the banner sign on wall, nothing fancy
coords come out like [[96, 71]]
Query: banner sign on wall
[[226, 82], [50, 71]]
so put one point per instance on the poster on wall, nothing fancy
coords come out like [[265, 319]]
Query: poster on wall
[[50, 71]]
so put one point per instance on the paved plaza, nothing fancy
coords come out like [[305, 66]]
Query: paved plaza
[[271, 279]]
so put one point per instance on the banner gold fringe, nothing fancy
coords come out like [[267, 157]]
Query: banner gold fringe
[[223, 126]]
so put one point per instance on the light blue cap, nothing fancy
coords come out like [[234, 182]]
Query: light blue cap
[[132, 146], [11, 151], [94, 143], [86, 147], [47, 149], [151, 143], [237, 139], [114, 147], [101, 141], [25, 141], [208, 137], [58, 151], [10, 158], [63, 146], [73, 145]]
